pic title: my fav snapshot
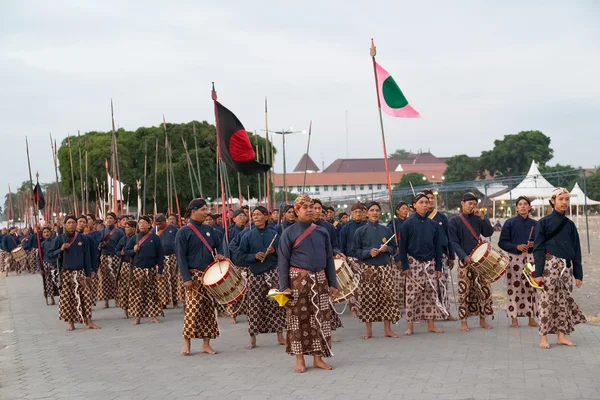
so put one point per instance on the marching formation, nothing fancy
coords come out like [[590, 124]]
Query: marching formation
[[240, 262]]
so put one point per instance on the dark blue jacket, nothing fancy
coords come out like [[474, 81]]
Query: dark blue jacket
[[111, 241], [76, 257], [373, 236], [150, 253], [420, 239], [461, 239], [255, 241], [516, 231], [347, 237], [191, 252], [167, 238]]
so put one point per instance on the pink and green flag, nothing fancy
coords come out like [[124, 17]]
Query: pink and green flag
[[392, 99]]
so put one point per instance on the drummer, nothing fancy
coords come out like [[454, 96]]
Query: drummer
[[9, 243], [258, 250], [474, 292], [516, 238], [377, 288], [307, 273], [421, 258], [195, 247]]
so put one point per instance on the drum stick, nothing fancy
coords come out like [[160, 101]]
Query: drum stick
[[270, 244], [415, 282], [529, 242], [386, 243]]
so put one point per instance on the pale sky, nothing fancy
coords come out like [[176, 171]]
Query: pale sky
[[474, 70]]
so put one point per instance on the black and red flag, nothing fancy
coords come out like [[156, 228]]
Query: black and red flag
[[236, 150], [38, 196]]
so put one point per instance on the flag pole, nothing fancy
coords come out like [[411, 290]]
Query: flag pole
[[306, 161], [72, 176], [268, 173], [54, 158], [167, 166], [214, 98], [258, 175], [113, 161], [197, 160], [36, 199], [385, 157]]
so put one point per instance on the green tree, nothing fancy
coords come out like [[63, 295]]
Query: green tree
[[567, 179], [280, 196], [415, 178], [593, 185], [400, 153], [461, 168], [512, 155]]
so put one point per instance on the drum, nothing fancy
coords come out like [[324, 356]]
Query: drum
[[19, 256], [223, 282], [488, 262], [346, 281]]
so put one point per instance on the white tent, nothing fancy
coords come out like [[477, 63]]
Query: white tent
[[578, 198], [534, 186]]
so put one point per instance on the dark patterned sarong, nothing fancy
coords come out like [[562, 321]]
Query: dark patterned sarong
[[143, 294], [50, 279], [421, 301], [123, 284], [73, 303], [521, 296], [180, 287], [240, 306], [378, 294], [167, 286], [264, 316], [308, 314], [31, 264], [556, 308], [474, 294], [354, 301], [444, 283], [200, 319], [107, 276]]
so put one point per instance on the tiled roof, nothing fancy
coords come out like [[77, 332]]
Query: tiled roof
[[378, 165], [311, 166]]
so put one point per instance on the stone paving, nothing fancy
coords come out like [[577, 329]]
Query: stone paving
[[39, 359]]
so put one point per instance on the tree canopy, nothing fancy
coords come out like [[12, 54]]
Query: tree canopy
[[461, 168], [400, 153], [415, 178]]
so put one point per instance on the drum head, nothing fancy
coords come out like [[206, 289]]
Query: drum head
[[339, 263], [479, 252], [215, 272]]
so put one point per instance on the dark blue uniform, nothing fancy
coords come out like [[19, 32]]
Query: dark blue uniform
[[347, 237], [167, 239], [254, 241], [516, 231], [461, 239], [111, 242], [419, 239], [150, 253], [333, 235], [76, 257], [373, 236], [442, 222], [191, 252]]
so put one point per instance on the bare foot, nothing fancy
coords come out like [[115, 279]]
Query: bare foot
[[369, 333], [514, 323], [175, 305], [483, 323], [155, 320], [544, 343], [207, 349], [186, 347], [91, 325], [232, 321], [137, 321], [533, 324], [319, 363], [450, 318], [565, 342], [365, 337], [71, 327], [335, 340], [252, 343], [408, 332], [464, 327], [105, 304], [125, 315], [280, 339], [434, 329], [354, 315], [300, 366]]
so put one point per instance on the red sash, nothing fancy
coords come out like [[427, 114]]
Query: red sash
[[70, 242], [143, 239], [469, 227], [160, 232], [107, 237], [201, 237], [304, 234]]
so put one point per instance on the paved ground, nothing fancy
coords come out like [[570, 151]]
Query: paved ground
[[40, 359]]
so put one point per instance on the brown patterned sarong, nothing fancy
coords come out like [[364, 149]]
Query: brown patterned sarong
[[444, 283], [264, 316], [31, 263], [143, 295], [421, 301], [167, 286], [378, 294], [123, 287], [240, 306], [50, 279], [200, 319], [521, 296], [107, 276], [556, 308], [180, 287], [2, 260], [308, 313], [474, 294], [73, 303], [354, 301]]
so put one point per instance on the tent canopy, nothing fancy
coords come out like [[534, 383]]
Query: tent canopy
[[534, 186], [577, 199]]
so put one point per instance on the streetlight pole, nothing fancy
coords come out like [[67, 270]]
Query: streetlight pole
[[283, 133]]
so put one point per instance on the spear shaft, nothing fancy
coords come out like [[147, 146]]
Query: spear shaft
[[54, 158], [145, 172], [81, 173], [189, 164], [197, 161], [72, 176], [155, 174]]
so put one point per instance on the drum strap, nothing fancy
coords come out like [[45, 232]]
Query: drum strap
[[304, 235], [559, 228], [72, 239], [432, 214], [107, 237], [192, 227], [469, 227]]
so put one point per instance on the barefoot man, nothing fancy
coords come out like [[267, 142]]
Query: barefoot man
[[516, 238], [167, 286], [74, 255], [346, 247], [307, 273], [258, 250], [145, 249], [110, 260], [123, 283], [474, 293], [421, 258], [377, 287], [195, 247], [557, 255]]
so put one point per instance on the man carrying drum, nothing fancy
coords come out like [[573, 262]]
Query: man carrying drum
[[307, 274], [474, 292], [258, 250], [516, 238], [195, 247]]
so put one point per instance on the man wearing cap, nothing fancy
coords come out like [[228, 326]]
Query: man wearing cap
[[258, 250], [49, 267], [167, 286], [421, 259], [289, 218], [330, 214], [557, 256], [516, 238], [195, 247], [73, 252], [307, 274], [346, 247], [274, 220], [377, 288], [146, 252], [342, 220], [110, 260], [448, 256], [125, 272], [474, 292], [231, 251]]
